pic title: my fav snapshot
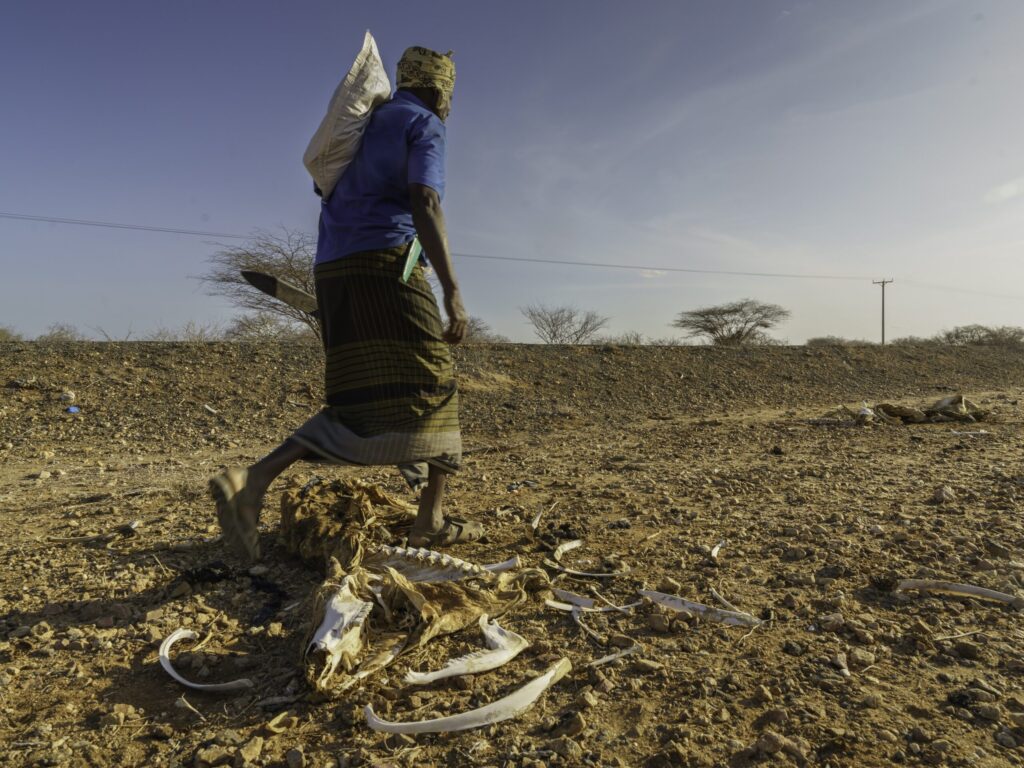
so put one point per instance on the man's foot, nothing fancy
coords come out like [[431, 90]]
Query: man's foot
[[454, 530], [238, 511]]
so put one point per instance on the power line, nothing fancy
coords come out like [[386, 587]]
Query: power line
[[113, 225], [526, 259]]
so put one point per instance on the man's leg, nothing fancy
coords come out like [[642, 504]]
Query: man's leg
[[266, 470], [432, 528], [239, 496]]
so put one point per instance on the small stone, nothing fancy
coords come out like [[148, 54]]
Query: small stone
[[161, 731], [44, 475], [831, 622], [620, 641], [67, 397], [669, 586], [647, 666], [586, 700], [859, 658], [567, 748], [216, 754], [965, 649], [988, 712], [571, 725], [792, 648], [769, 742], [659, 622], [22, 631], [259, 570], [1006, 739], [295, 758], [872, 701], [722, 715], [943, 495], [275, 629]]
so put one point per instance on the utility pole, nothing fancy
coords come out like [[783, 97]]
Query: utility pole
[[882, 283]]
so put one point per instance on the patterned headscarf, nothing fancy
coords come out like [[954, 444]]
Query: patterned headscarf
[[424, 68]]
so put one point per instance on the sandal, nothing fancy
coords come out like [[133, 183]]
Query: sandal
[[238, 526], [455, 530]]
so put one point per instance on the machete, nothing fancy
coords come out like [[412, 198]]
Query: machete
[[296, 298], [282, 290]]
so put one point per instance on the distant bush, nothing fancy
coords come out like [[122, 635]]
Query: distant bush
[[912, 341], [61, 332], [982, 335], [263, 326], [9, 334], [836, 341], [478, 331], [191, 332]]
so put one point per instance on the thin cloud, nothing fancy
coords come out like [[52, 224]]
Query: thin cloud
[[1005, 192]]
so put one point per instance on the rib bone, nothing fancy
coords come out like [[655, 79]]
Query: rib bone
[[504, 646], [165, 662], [733, 618], [962, 590], [503, 709]]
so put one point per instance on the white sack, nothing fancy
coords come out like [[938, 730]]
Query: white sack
[[336, 140]]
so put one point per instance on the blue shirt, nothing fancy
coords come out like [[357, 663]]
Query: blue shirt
[[369, 209]]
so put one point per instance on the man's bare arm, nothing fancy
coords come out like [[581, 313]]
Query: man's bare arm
[[429, 220]]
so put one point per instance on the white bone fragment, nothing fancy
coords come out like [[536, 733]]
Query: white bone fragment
[[614, 656], [504, 646], [165, 662], [568, 546], [732, 618], [961, 590], [503, 709], [377, 663], [574, 599], [418, 564], [716, 549], [570, 600], [340, 637], [725, 603], [584, 574], [506, 565], [608, 603], [577, 616], [977, 433]]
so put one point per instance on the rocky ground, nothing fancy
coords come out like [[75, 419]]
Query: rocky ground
[[650, 456]]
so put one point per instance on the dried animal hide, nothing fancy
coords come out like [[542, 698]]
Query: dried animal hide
[[321, 520]]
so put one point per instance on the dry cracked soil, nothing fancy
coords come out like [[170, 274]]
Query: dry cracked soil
[[651, 456]]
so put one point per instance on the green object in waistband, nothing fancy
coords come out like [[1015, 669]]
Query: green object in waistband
[[415, 249]]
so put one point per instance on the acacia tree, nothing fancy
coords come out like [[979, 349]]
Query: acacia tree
[[287, 255], [478, 331], [983, 335], [739, 322], [563, 325]]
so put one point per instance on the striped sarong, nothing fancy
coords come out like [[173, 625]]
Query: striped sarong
[[389, 382]]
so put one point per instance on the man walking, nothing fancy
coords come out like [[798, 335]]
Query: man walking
[[389, 382]]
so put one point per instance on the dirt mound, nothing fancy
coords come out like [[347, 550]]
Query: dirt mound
[[651, 456]]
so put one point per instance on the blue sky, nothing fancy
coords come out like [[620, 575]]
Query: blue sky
[[878, 138]]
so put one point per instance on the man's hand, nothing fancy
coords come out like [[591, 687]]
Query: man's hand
[[457, 320]]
